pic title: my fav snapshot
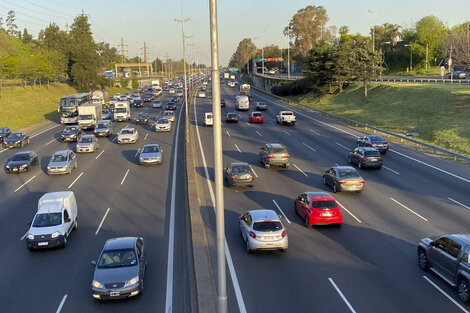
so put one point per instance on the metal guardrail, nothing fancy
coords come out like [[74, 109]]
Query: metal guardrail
[[424, 80], [453, 154]]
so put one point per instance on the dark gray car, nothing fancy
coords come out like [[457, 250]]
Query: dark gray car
[[119, 272], [274, 154], [239, 174], [365, 157], [374, 141], [104, 128]]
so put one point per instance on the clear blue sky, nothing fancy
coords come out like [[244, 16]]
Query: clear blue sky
[[153, 22]]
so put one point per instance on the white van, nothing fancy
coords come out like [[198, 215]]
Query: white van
[[243, 103], [208, 119], [54, 221]]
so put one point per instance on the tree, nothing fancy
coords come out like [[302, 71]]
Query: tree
[[108, 55], [459, 42], [365, 62], [320, 66], [245, 51], [11, 26], [26, 38], [432, 32]]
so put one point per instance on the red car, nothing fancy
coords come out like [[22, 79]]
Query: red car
[[256, 117], [318, 208]]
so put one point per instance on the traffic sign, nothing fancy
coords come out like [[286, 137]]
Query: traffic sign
[[443, 68]]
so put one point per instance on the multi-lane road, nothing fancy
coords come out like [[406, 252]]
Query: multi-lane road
[[368, 265]]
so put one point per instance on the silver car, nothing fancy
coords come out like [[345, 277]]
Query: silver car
[[162, 125], [150, 154], [263, 230], [128, 135], [87, 143], [157, 104], [120, 270], [170, 115], [62, 162], [104, 128]]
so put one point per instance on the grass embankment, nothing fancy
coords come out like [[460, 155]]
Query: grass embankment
[[22, 107], [439, 113]]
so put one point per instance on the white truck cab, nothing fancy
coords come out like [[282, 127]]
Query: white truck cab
[[55, 219]]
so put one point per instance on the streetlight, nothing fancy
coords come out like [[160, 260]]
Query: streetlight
[[262, 50], [373, 30], [383, 56], [411, 56]]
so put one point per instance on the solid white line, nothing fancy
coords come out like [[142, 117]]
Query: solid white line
[[309, 147], [282, 212], [300, 170], [75, 180], [445, 294], [24, 236], [249, 124], [146, 136], [342, 296], [253, 171], [138, 150], [102, 221], [343, 146], [311, 130], [124, 178], [50, 141], [238, 148], [286, 132], [228, 134], [404, 206], [115, 137], [99, 155], [344, 208], [259, 134], [4, 150], [228, 257], [45, 131], [459, 203], [387, 168], [24, 184], [61, 304]]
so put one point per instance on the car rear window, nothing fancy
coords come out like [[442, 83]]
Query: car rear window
[[278, 150], [231, 115], [287, 113], [372, 153], [241, 170], [257, 114], [376, 138], [324, 204], [265, 226], [348, 173]]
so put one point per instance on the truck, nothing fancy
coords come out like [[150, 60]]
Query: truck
[[156, 83], [243, 103], [122, 111], [286, 117], [226, 76], [100, 96], [88, 115], [245, 90], [232, 77]]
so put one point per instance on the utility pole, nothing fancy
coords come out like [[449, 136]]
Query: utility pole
[[262, 52], [123, 51], [218, 166], [426, 56], [288, 56], [450, 63]]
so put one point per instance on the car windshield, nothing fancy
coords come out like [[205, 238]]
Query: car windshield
[[241, 169], [47, 219], [348, 173], [15, 136], [70, 130], [85, 117], [103, 124], [372, 153], [117, 258], [127, 132], [376, 138], [265, 226], [162, 121], [2, 131], [278, 150], [20, 157], [105, 111], [150, 149], [232, 115], [86, 140], [142, 115], [157, 102], [59, 158], [120, 110], [324, 204]]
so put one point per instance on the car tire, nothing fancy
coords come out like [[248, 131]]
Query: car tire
[[423, 260], [283, 250], [349, 160], [286, 165], [307, 222], [64, 244], [324, 181], [359, 164], [463, 292], [22, 144], [248, 248], [335, 189], [75, 224]]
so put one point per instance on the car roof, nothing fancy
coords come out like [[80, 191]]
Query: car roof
[[239, 164], [62, 152], [88, 136], [261, 215], [151, 145], [128, 128], [319, 195], [369, 149], [275, 145], [23, 152], [344, 168], [256, 112], [120, 243], [462, 238]]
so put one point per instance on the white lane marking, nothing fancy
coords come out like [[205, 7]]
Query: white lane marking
[[387, 168], [238, 148], [459, 203], [253, 171], [311, 130], [337, 164], [75, 180], [61, 304], [228, 134], [102, 221], [146, 136], [138, 150], [271, 122], [124, 178], [24, 236], [24, 183], [115, 137], [286, 132], [445, 294], [228, 256], [344, 208], [222, 124], [300, 170], [171, 230], [404, 206], [342, 295], [45, 131], [259, 134], [249, 124], [431, 166], [99, 155], [282, 212], [343, 146], [309, 147], [49, 142], [4, 150]]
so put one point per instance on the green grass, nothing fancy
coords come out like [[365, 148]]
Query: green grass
[[22, 107], [432, 71], [439, 113]]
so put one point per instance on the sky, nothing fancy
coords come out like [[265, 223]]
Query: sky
[[153, 22]]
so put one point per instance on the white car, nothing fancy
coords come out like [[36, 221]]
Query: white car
[[162, 125], [201, 94], [157, 104], [172, 90], [128, 135], [170, 115]]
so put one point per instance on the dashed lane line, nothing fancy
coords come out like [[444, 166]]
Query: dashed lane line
[[102, 221], [282, 212], [24, 184], [238, 148], [344, 208], [309, 147], [407, 208], [342, 295], [344, 147], [393, 171], [99, 155], [455, 201], [124, 178], [70, 186], [445, 294], [300, 170]]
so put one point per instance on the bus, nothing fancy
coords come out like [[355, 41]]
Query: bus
[[68, 107]]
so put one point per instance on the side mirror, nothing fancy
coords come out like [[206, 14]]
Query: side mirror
[[93, 263], [240, 217], [68, 220]]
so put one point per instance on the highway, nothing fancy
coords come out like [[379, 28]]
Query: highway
[[115, 197], [368, 265]]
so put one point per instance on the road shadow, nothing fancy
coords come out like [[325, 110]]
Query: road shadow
[[130, 155]]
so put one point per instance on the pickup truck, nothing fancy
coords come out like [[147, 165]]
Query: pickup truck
[[448, 257], [286, 117]]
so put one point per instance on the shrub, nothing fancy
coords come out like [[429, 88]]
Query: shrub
[[294, 88]]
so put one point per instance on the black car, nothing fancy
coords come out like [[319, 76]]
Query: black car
[[138, 103], [21, 162], [142, 118], [223, 103], [366, 157], [175, 99], [71, 133], [15, 140], [4, 133], [231, 118], [261, 106], [239, 174], [374, 141], [171, 106]]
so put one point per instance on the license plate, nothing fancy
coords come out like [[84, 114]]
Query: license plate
[[44, 243], [373, 159], [326, 214], [114, 293], [268, 237]]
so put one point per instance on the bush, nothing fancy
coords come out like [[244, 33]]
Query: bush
[[294, 88], [449, 139], [135, 83]]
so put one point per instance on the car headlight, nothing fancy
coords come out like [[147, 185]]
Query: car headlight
[[55, 234], [30, 237], [97, 284], [7, 166], [23, 165], [132, 281]]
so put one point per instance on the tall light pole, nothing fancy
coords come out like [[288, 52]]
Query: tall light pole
[[373, 30], [262, 51], [288, 55], [383, 56], [218, 167], [411, 56]]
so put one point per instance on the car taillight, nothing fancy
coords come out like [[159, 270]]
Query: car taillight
[[284, 233], [286, 156], [252, 235], [361, 182], [343, 182], [270, 156], [295, 118], [233, 177], [365, 158], [381, 158], [252, 177], [283, 118]]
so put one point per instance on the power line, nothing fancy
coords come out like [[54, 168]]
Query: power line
[[26, 14], [30, 10], [39, 6]]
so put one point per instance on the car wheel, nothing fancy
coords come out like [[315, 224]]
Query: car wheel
[[266, 165], [307, 222], [283, 250], [335, 189], [248, 248], [75, 224], [64, 244], [462, 291], [141, 286], [22, 144], [359, 164], [349, 160], [423, 260], [324, 181]]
